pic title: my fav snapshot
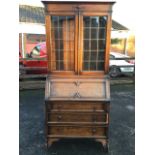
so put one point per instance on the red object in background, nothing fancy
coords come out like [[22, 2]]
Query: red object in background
[[131, 61], [38, 58], [39, 51], [43, 49]]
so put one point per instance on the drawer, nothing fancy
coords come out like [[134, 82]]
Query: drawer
[[77, 89], [76, 105], [77, 131], [74, 116]]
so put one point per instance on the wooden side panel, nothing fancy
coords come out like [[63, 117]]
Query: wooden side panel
[[53, 52], [108, 42], [48, 41]]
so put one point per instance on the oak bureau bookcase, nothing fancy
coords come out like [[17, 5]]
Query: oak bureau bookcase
[[77, 93]]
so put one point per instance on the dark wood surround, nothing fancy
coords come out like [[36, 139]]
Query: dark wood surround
[[77, 95]]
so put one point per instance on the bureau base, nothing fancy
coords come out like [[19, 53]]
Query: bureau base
[[78, 120]]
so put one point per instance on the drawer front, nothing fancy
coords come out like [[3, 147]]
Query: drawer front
[[78, 89], [77, 117], [76, 105], [77, 131]]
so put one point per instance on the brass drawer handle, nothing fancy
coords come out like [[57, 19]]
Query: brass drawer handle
[[59, 117], [93, 130]]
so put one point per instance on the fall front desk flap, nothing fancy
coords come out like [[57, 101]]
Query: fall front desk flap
[[77, 89]]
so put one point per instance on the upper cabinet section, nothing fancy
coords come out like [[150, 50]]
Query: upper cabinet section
[[78, 37]]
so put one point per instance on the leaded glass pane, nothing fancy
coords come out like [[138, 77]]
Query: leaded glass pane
[[62, 42], [86, 33], [94, 45], [94, 21], [87, 21]]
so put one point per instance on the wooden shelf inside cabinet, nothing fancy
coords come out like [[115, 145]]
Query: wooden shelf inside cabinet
[[78, 45]]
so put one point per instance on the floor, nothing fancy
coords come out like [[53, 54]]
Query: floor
[[121, 135]]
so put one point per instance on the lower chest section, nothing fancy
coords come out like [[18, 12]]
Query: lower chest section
[[77, 119]]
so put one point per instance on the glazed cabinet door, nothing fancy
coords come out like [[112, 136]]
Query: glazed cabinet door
[[94, 46], [62, 43]]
